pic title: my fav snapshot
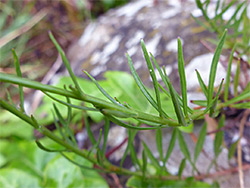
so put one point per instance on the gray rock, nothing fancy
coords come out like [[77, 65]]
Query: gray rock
[[105, 41]]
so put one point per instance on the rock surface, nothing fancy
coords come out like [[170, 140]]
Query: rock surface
[[105, 41]]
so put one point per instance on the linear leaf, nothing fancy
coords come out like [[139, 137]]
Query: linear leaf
[[158, 136], [87, 126], [131, 136], [202, 84], [212, 106], [101, 89], [200, 142], [153, 76], [150, 155], [144, 163], [19, 74], [133, 153], [46, 149], [65, 61], [226, 89], [181, 69], [213, 68], [171, 145], [105, 134], [120, 123], [65, 126], [183, 146], [181, 167], [176, 104], [140, 84], [232, 149], [70, 105], [164, 79], [236, 78]]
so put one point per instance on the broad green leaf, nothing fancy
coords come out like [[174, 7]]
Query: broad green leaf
[[61, 173], [14, 178], [10, 125], [200, 142]]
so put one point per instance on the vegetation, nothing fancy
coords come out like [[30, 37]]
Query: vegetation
[[116, 102]]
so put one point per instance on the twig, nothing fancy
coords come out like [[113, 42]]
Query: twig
[[239, 152], [27, 26], [116, 180]]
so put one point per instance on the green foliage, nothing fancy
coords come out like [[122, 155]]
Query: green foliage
[[33, 167], [135, 182], [125, 101]]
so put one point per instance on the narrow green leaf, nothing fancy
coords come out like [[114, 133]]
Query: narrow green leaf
[[200, 102], [181, 167], [226, 89], [120, 123], [232, 149], [9, 98], [164, 79], [202, 84], [171, 145], [131, 136], [67, 130], [181, 69], [70, 105], [244, 105], [150, 155], [39, 144], [66, 62], [200, 142], [102, 90], [183, 147], [80, 165], [219, 137], [97, 144], [87, 126], [158, 136], [240, 97], [213, 104], [144, 163], [105, 134], [213, 68], [118, 113], [176, 104], [57, 125], [19, 74], [237, 78], [153, 76], [140, 84], [133, 153]]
